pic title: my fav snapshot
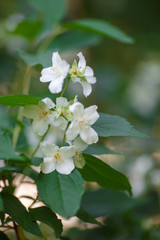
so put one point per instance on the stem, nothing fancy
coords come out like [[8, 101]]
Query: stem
[[65, 134], [42, 138], [34, 201], [68, 79]]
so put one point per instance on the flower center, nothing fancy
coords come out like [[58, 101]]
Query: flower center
[[44, 114], [58, 157], [74, 71], [83, 123]]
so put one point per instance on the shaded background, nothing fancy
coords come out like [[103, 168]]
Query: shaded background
[[128, 84]]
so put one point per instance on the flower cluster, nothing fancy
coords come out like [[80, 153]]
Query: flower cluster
[[69, 116]]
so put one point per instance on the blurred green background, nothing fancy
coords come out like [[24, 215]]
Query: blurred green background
[[128, 84]]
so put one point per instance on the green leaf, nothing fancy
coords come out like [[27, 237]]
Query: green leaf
[[96, 170], [104, 202], [109, 125], [28, 171], [86, 217], [1, 204], [36, 161], [5, 119], [3, 236], [52, 11], [98, 149], [18, 100], [14, 208], [28, 29], [6, 150], [4, 170], [62, 193], [45, 215], [101, 27]]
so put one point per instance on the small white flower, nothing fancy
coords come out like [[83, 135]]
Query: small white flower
[[81, 124], [56, 158], [82, 74], [43, 116], [78, 158], [55, 74]]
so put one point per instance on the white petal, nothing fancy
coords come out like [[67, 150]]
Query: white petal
[[48, 165], [31, 111], [88, 135], [48, 149], [56, 59], [73, 130], [87, 89], [40, 126], [49, 103], [61, 102], [88, 72], [56, 85], [91, 80], [60, 122], [79, 144], [82, 61], [77, 109], [65, 167], [79, 161], [91, 115], [47, 75], [68, 152]]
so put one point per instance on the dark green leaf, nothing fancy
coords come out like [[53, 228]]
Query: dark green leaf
[[62, 193], [14, 208], [1, 204], [101, 27], [4, 170], [6, 150], [28, 29], [98, 149], [74, 40], [96, 170], [3, 236], [18, 100], [108, 202], [109, 125], [28, 171], [5, 119], [2, 217], [45, 215], [86, 217], [36, 161], [53, 11]]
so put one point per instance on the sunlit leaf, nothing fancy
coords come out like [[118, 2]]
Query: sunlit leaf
[[101, 27], [18, 100], [62, 193], [109, 125], [96, 170]]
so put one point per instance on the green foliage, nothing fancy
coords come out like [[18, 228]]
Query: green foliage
[[18, 100], [110, 125], [98, 149], [1, 204], [28, 29], [96, 170], [86, 217], [5, 119], [101, 27], [52, 11], [14, 208], [45, 215], [62, 193], [6, 150]]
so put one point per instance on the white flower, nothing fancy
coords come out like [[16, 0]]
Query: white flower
[[42, 116], [56, 158], [78, 158], [81, 124], [55, 74], [82, 74]]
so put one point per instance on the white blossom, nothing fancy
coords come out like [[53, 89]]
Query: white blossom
[[55, 158], [81, 124], [79, 147], [82, 74], [43, 116], [55, 74]]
